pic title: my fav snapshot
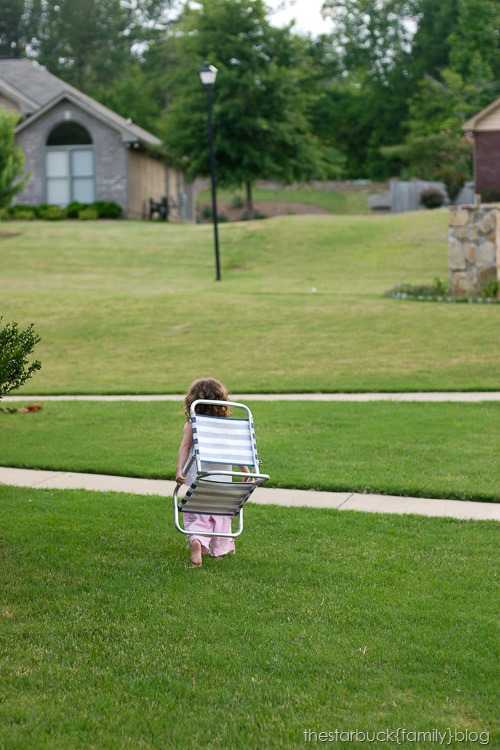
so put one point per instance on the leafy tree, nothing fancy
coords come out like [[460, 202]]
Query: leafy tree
[[261, 110], [475, 42], [133, 94], [435, 147], [430, 46], [19, 21], [372, 39], [88, 43], [11, 159], [371, 34], [15, 347]]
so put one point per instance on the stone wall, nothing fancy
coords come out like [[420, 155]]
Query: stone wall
[[473, 247]]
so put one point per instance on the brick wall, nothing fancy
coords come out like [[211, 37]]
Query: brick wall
[[110, 155], [487, 160]]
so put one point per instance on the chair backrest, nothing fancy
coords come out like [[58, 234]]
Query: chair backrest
[[224, 440]]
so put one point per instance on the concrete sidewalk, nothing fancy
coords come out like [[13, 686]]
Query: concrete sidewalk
[[433, 396], [312, 499]]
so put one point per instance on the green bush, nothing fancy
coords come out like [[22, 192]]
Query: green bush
[[88, 213], [107, 209], [52, 213], [74, 208], [15, 346], [19, 211], [206, 213], [236, 201], [490, 289], [256, 215], [26, 214], [431, 198]]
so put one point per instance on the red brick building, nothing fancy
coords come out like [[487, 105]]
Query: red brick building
[[485, 129]]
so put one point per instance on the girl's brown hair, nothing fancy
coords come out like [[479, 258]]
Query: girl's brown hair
[[210, 389]]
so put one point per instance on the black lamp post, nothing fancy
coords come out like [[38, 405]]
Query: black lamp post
[[208, 74]]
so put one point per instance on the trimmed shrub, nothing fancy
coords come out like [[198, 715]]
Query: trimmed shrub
[[88, 213], [26, 214], [52, 213], [74, 208], [107, 209], [19, 210], [431, 198]]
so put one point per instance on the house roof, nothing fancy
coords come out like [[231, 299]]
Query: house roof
[[36, 91], [487, 119]]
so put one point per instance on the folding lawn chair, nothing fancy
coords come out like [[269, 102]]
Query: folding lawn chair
[[220, 440]]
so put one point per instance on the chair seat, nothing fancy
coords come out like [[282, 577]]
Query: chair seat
[[216, 498]]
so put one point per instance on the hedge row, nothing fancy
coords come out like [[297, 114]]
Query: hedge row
[[75, 210]]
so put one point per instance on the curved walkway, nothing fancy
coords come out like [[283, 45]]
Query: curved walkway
[[263, 495]]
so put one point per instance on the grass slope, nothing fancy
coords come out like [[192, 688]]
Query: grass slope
[[324, 620], [132, 306], [429, 450], [344, 202]]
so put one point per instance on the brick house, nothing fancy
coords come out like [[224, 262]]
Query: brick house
[[78, 149], [485, 130]]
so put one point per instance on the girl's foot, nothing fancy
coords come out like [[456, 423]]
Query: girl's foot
[[196, 553]]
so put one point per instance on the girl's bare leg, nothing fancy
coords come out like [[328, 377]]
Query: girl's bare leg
[[196, 552]]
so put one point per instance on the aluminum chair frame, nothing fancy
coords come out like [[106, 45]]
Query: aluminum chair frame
[[215, 495]]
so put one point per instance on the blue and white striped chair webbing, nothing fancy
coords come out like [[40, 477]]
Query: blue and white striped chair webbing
[[224, 440], [216, 498]]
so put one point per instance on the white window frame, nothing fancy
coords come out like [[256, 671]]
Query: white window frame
[[70, 177]]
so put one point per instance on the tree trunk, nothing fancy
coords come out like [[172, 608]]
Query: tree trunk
[[250, 208]]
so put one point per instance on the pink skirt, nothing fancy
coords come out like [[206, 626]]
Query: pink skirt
[[215, 545]]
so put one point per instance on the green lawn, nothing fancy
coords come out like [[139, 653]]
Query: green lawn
[[133, 306], [324, 620], [343, 202], [420, 449]]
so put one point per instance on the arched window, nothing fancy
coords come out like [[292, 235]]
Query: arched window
[[69, 165]]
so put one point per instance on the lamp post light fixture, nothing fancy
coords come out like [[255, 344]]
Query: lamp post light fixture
[[208, 74]]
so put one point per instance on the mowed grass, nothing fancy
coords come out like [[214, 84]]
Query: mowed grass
[[345, 202], [133, 306], [323, 620], [418, 449]]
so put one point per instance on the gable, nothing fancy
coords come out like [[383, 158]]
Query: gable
[[487, 119], [34, 91]]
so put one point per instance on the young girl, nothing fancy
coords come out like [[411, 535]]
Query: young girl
[[213, 390]]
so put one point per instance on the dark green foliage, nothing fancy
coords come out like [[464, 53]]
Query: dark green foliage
[[11, 158], [15, 347], [19, 22], [431, 198], [74, 208], [260, 104], [491, 288], [88, 214], [21, 211], [52, 213], [285, 107], [435, 147], [107, 209], [99, 209]]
